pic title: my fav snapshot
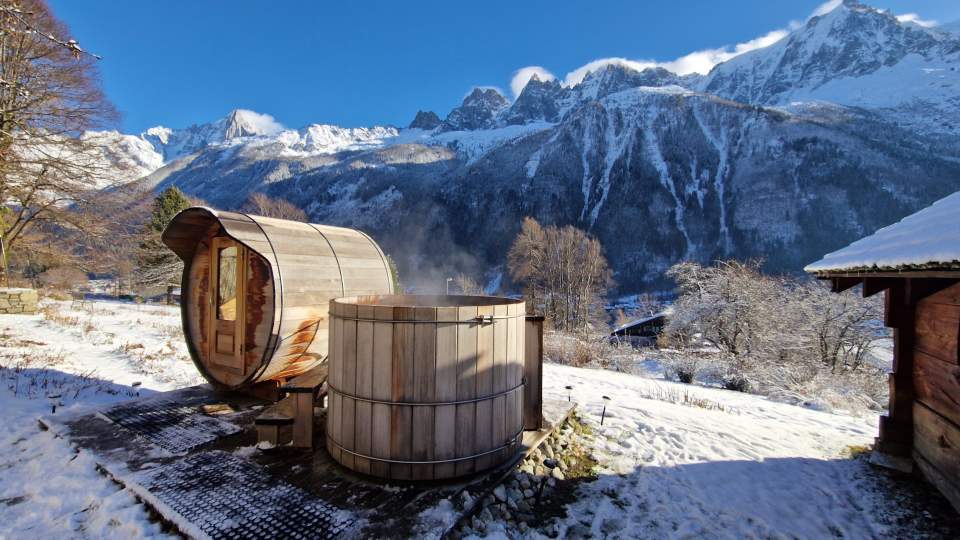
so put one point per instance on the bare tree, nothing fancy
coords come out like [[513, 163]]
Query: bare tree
[[262, 205], [772, 334], [50, 94], [564, 272]]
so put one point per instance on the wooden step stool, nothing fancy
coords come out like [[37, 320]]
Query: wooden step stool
[[295, 409]]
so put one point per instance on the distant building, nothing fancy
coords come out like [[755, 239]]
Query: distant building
[[916, 263], [641, 332]]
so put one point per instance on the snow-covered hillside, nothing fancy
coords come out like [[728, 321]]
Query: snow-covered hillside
[[674, 460]]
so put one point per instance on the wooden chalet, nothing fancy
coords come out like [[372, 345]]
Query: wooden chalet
[[641, 332], [916, 264]]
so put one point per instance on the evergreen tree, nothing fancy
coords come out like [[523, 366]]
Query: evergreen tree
[[167, 205], [156, 264]]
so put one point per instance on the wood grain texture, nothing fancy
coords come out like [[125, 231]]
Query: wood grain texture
[[382, 389], [483, 440], [938, 441], [937, 384], [500, 361], [334, 380], [466, 389], [418, 358], [424, 391], [533, 369], [296, 269], [937, 330], [348, 382], [445, 416], [364, 387], [401, 418]]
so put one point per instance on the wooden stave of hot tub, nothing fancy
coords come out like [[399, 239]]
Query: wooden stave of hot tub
[[390, 436]]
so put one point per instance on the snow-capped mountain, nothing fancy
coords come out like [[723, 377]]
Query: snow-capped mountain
[[854, 56], [479, 110], [175, 143], [846, 124]]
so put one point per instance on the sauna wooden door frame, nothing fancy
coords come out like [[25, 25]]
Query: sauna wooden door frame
[[227, 353]]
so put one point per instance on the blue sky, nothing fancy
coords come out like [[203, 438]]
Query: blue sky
[[361, 63]]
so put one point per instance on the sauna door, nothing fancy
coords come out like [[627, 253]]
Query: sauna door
[[226, 299]]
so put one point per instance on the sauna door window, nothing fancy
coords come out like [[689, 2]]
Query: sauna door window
[[227, 284], [227, 269]]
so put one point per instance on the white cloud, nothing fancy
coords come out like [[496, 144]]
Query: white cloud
[[695, 62], [262, 123], [703, 61], [915, 19], [825, 8], [522, 76]]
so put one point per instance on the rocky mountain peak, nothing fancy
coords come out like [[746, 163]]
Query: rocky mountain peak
[[479, 110], [246, 123], [852, 40], [425, 120], [616, 77], [539, 100]]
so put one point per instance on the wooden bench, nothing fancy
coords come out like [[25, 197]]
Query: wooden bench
[[273, 418], [295, 409]]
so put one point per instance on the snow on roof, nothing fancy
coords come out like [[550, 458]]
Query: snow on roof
[[648, 318], [928, 239]]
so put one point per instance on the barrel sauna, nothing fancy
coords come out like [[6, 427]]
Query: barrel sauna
[[255, 290], [425, 387]]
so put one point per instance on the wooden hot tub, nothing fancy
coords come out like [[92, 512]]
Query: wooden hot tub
[[425, 387]]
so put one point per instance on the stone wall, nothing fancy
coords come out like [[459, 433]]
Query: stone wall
[[18, 300]]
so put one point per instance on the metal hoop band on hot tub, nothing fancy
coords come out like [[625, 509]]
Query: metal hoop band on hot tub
[[481, 319], [510, 442], [425, 403]]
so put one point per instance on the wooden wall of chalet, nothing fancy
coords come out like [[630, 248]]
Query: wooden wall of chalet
[[936, 389]]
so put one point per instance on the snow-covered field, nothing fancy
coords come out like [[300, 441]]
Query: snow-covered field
[[677, 461]]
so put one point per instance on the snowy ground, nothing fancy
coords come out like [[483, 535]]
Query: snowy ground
[[677, 461]]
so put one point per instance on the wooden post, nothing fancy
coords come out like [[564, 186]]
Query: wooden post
[[896, 427], [303, 420], [533, 374]]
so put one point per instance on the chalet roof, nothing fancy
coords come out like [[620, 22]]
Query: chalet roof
[[924, 241], [646, 319]]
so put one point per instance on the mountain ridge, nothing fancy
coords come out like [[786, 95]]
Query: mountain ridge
[[742, 162]]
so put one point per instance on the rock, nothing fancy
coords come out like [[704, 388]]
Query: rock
[[525, 483], [500, 493], [579, 531], [485, 515], [528, 493], [549, 451], [523, 507], [558, 474], [551, 482], [425, 120], [540, 470], [612, 525]]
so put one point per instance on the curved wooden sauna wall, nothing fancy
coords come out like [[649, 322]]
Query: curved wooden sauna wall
[[425, 387], [289, 273]]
